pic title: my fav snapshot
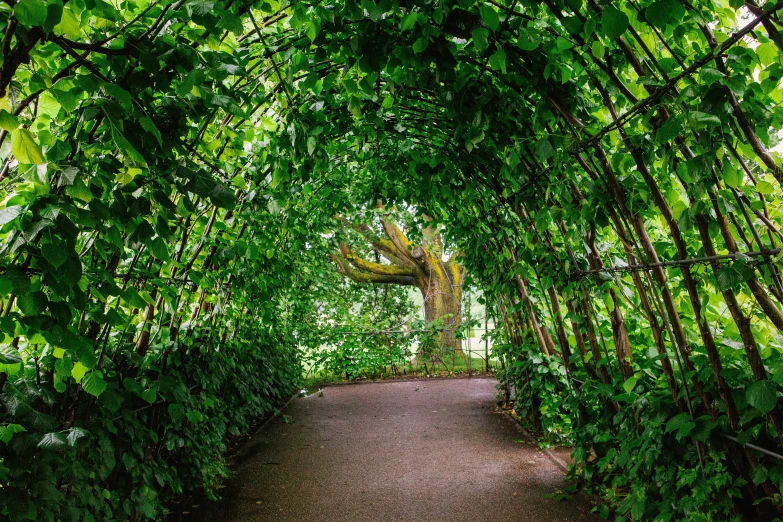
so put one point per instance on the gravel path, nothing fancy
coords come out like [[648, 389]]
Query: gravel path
[[416, 451]]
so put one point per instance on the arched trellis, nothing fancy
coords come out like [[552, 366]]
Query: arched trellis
[[606, 167]]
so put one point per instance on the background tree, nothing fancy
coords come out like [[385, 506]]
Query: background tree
[[424, 265]]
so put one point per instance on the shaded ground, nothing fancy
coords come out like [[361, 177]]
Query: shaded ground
[[415, 451]]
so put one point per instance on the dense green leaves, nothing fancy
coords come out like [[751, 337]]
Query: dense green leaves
[[171, 178]]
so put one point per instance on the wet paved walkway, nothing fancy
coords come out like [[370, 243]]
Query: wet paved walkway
[[419, 451]]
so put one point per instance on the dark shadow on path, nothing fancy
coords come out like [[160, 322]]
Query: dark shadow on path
[[418, 451]]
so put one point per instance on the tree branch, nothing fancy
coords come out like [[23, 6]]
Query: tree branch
[[375, 268], [367, 277]]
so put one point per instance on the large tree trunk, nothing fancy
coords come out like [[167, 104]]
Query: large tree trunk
[[423, 266], [443, 302]]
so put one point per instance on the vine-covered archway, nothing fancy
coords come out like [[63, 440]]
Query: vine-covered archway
[[173, 173]]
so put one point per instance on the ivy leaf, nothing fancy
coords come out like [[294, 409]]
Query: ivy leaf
[[30, 13], [25, 148], [94, 384], [613, 22], [763, 395]]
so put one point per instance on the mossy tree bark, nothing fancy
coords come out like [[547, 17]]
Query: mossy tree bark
[[439, 279]]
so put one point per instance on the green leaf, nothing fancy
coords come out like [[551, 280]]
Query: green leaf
[[32, 303], [480, 37], [498, 60], [94, 384], [663, 12], [731, 176], [9, 354], [703, 118], [682, 423], [176, 411], [490, 16], [119, 94], [30, 13], [6, 432], [6, 287], [544, 150], [51, 441], [75, 434], [222, 196], [710, 75], [55, 255], [78, 371], [408, 21], [762, 187], [54, 14], [8, 214], [125, 176], [763, 395], [630, 384], [527, 40], [159, 248], [149, 395], [148, 125], [25, 148], [729, 277], [669, 130], [613, 22], [8, 121], [420, 45], [598, 50]]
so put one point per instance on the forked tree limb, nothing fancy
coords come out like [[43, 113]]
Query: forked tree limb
[[344, 268], [375, 268]]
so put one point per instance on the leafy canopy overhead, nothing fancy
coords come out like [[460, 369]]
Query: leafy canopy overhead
[[171, 171]]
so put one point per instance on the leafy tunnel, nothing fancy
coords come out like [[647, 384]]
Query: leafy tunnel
[[177, 176]]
